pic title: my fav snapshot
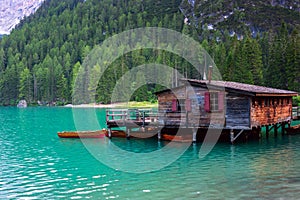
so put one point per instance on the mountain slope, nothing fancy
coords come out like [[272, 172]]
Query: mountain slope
[[238, 16]]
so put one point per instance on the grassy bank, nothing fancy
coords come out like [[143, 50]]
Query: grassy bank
[[135, 104], [131, 104]]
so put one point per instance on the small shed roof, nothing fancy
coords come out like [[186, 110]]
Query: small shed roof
[[248, 89], [241, 88]]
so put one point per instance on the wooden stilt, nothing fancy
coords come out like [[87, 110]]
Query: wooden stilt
[[231, 136], [267, 131], [194, 135], [259, 132], [256, 133], [282, 128], [128, 133], [275, 130], [159, 134], [109, 133], [143, 125]]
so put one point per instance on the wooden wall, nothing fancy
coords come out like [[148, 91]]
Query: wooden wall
[[237, 111], [165, 101], [270, 110], [199, 115], [195, 116], [240, 111]]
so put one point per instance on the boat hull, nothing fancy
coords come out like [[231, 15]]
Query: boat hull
[[176, 138], [293, 130], [82, 134]]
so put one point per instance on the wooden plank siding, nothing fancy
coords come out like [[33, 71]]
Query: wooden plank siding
[[196, 116], [237, 111], [167, 116], [270, 110]]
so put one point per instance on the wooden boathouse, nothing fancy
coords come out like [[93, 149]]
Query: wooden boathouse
[[232, 106], [237, 109]]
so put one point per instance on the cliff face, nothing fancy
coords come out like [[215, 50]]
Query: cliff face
[[12, 11], [237, 16]]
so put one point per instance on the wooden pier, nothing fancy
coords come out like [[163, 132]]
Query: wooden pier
[[136, 120]]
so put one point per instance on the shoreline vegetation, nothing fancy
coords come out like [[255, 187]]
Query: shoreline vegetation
[[131, 104]]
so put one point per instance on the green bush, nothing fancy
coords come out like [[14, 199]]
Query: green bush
[[296, 101]]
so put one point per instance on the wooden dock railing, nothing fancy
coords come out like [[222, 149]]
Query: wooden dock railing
[[122, 117]]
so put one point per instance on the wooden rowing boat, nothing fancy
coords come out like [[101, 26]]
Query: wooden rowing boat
[[82, 134], [98, 134], [293, 130], [176, 138]]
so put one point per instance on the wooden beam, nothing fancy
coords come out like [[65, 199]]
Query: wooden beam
[[275, 95]]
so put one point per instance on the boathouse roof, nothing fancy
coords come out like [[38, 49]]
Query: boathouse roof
[[243, 88]]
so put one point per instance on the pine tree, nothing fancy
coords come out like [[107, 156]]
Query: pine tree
[[276, 73], [242, 71], [293, 61], [26, 85], [254, 60]]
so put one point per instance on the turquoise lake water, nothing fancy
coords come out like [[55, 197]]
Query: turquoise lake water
[[36, 164]]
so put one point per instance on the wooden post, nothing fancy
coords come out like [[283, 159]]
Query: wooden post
[[194, 135], [109, 133], [275, 130], [255, 133], [267, 131], [107, 117], [143, 119], [127, 133], [231, 136], [282, 128], [258, 132], [186, 119], [159, 134]]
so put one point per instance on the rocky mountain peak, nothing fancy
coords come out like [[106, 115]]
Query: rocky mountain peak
[[12, 11]]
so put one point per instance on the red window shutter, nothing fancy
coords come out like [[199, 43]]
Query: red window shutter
[[207, 101], [188, 106], [221, 101], [174, 105]]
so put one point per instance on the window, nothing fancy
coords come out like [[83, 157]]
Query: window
[[178, 105], [181, 105], [214, 101]]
